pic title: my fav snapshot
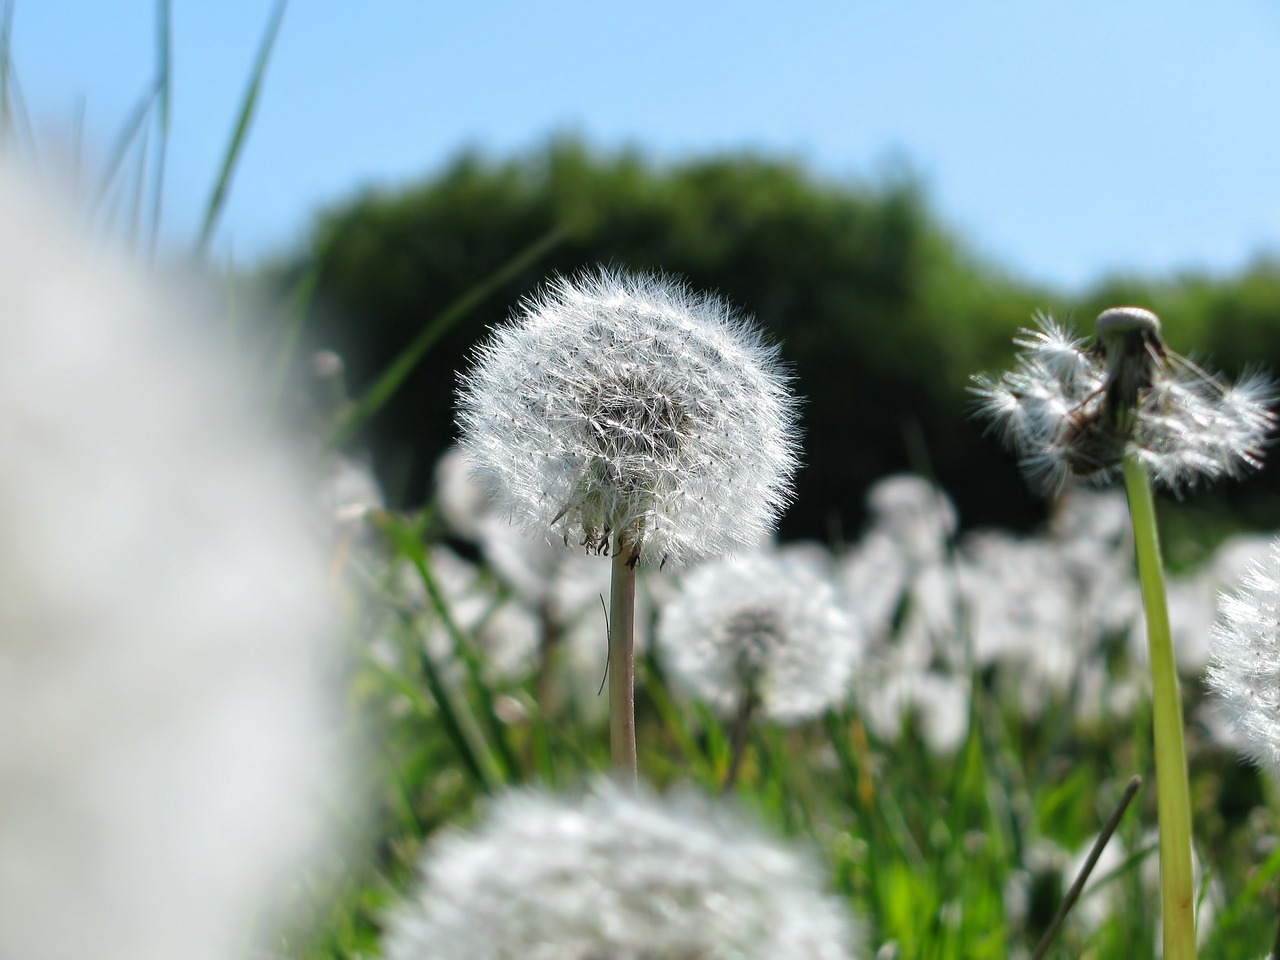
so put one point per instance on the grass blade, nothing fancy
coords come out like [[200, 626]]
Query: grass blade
[[133, 127], [164, 74], [392, 378], [14, 119], [412, 548], [1090, 862], [218, 198], [295, 319], [407, 541], [6, 73], [138, 191]]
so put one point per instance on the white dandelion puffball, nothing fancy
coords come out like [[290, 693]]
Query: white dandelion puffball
[[620, 875], [915, 514], [760, 625], [1244, 652], [1071, 407], [622, 404], [163, 615]]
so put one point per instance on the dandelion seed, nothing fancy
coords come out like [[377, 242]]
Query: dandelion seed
[[618, 875], [760, 626], [1075, 408], [617, 403]]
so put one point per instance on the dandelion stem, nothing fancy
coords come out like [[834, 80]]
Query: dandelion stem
[[738, 736], [1173, 800], [622, 660]]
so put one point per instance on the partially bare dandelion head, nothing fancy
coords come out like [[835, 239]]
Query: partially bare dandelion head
[[1075, 408], [627, 404], [622, 875]]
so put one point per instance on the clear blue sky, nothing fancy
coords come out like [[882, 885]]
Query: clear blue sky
[[1063, 140]]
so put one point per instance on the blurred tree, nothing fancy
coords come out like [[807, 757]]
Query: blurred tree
[[882, 315]]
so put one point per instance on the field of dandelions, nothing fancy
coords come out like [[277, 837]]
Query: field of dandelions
[[250, 711]]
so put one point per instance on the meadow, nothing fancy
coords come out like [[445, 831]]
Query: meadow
[[937, 723], [996, 714]]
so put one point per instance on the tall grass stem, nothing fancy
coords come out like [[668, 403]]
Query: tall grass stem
[[1077, 887]]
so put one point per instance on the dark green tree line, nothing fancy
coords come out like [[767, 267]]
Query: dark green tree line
[[881, 313]]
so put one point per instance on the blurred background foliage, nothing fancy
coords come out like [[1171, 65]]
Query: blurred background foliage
[[881, 311]]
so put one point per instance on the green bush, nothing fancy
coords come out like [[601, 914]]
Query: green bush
[[881, 313]]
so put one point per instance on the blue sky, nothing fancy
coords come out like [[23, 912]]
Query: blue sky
[[1064, 141]]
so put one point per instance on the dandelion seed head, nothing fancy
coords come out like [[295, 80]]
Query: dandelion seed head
[[918, 516], [1244, 651], [622, 875], [938, 702], [1022, 615], [615, 402], [1071, 408], [760, 625]]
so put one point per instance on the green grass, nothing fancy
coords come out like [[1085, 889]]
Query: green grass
[[930, 850]]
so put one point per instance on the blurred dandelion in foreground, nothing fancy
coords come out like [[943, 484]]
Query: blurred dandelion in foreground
[[639, 420], [619, 875], [1244, 669], [163, 614], [1071, 407], [628, 405], [760, 628]]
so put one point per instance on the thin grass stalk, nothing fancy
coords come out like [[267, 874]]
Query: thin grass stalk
[[1077, 887], [15, 120], [6, 70], [125, 141], [164, 87], [239, 135], [738, 737], [137, 194], [461, 725], [296, 314], [455, 712], [1237, 911], [462, 649], [390, 380], [1275, 948], [1173, 795], [622, 658]]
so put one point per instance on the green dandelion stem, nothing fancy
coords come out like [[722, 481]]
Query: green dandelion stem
[[622, 659], [1173, 797]]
